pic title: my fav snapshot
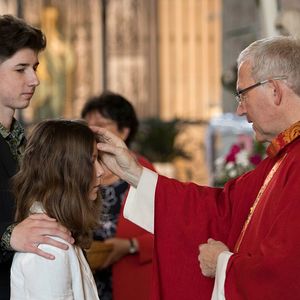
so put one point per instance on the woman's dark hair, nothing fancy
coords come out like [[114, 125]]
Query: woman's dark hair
[[16, 34], [57, 170], [115, 107]]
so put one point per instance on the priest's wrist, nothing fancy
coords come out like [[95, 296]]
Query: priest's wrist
[[133, 246]]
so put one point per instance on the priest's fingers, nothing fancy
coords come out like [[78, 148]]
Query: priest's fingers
[[206, 271], [208, 256], [217, 245], [210, 241], [208, 259], [203, 268], [107, 137]]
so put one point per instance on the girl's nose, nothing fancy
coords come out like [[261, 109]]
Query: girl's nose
[[99, 169]]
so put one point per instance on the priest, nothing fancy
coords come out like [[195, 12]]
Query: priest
[[240, 241]]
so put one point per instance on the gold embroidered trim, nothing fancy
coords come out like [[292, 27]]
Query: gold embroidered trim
[[258, 197]]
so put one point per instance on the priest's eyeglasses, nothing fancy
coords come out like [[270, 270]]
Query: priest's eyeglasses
[[239, 94]]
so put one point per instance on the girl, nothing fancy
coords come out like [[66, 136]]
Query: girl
[[60, 176]]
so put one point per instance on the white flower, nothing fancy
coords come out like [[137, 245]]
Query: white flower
[[232, 173], [229, 166], [219, 162], [242, 158]]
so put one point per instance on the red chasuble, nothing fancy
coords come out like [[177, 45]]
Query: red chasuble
[[267, 261]]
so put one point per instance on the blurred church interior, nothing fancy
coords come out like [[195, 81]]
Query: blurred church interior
[[173, 59]]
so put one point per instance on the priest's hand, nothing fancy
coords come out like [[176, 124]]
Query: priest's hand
[[117, 157], [208, 256]]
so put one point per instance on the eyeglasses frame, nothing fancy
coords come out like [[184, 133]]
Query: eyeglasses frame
[[239, 93]]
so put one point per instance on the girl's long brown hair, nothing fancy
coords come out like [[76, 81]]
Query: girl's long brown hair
[[57, 170]]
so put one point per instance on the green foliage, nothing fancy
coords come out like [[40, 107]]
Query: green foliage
[[156, 140]]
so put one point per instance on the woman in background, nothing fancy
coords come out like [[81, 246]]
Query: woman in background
[[60, 176], [126, 274]]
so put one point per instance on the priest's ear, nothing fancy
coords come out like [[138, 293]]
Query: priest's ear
[[276, 90]]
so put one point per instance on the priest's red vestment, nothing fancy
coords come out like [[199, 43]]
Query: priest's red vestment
[[267, 263]]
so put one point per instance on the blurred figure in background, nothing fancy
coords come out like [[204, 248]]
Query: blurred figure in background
[[126, 274]]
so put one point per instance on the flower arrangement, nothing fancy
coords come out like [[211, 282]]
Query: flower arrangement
[[241, 158]]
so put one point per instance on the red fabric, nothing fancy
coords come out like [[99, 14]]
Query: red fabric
[[133, 273], [268, 261]]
